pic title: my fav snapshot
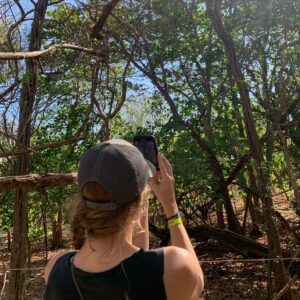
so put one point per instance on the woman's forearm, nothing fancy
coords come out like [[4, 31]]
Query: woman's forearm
[[178, 233], [180, 238]]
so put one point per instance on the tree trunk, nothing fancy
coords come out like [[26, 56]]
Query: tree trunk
[[210, 138], [246, 208], [28, 251], [8, 241], [54, 235], [107, 127], [45, 228], [59, 228], [222, 185], [57, 240], [220, 215], [290, 170], [254, 207], [280, 273], [19, 254]]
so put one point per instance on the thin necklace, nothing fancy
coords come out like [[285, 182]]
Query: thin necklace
[[103, 259]]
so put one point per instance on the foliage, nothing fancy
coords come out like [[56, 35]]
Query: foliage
[[175, 51]]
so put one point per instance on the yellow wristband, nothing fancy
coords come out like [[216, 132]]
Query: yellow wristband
[[174, 222]]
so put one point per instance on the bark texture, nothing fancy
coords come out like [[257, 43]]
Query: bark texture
[[289, 166], [35, 181], [19, 253], [57, 237], [280, 273]]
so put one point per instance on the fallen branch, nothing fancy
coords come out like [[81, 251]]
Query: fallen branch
[[37, 181], [286, 224], [286, 287], [237, 243], [50, 51], [294, 259]]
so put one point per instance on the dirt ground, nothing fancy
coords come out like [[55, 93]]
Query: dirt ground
[[227, 275]]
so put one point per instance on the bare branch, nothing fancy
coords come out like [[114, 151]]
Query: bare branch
[[20, 7], [37, 181], [44, 146], [240, 164], [51, 50], [99, 107], [16, 24], [55, 2], [124, 82], [9, 89], [108, 8]]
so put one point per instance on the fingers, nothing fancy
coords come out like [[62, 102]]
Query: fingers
[[165, 164], [168, 166], [162, 165], [165, 172]]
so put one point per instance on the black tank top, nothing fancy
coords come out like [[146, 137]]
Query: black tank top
[[139, 277]]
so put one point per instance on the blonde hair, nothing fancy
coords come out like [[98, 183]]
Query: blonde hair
[[86, 221]]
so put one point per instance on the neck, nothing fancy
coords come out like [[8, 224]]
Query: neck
[[122, 240], [99, 254]]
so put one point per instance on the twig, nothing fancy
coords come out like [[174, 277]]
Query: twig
[[4, 283], [286, 287], [295, 258]]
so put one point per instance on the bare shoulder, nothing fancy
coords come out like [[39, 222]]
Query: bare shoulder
[[182, 278], [51, 262]]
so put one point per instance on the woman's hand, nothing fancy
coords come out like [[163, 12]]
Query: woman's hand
[[163, 186]]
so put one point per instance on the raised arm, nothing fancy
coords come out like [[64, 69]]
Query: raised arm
[[187, 260]]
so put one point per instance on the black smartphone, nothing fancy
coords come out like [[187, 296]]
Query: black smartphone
[[147, 145]]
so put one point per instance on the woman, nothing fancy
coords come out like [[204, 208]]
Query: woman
[[113, 261]]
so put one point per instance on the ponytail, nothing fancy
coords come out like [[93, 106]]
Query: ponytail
[[87, 221]]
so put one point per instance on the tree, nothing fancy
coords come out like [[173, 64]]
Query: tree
[[19, 255], [280, 273], [29, 109]]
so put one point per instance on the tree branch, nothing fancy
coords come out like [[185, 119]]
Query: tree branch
[[9, 89], [95, 73], [37, 181], [51, 50], [240, 164], [124, 83], [108, 8], [44, 146]]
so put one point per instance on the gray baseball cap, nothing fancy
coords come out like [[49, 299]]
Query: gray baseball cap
[[119, 167]]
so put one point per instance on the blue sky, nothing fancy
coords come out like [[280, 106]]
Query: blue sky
[[137, 100]]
